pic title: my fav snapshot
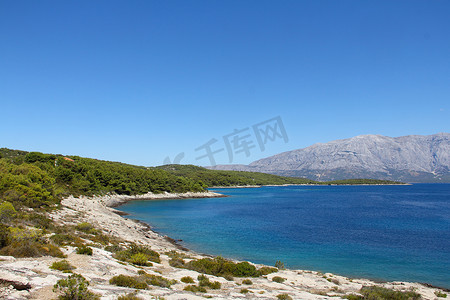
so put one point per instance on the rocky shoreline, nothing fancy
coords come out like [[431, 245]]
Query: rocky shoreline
[[35, 274]]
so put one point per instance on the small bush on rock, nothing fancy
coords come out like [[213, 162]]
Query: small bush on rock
[[128, 281], [279, 265], [130, 296], [85, 227], [187, 279], [175, 254], [85, 250], [31, 249], [440, 294], [177, 263], [284, 297], [204, 281], [140, 259], [376, 292], [66, 239], [267, 270], [74, 287], [194, 289], [222, 267], [278, 279], [125, 255], [62, 265], [157, 280]]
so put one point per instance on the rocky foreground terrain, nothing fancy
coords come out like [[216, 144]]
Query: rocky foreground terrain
[[32, 278], [413, 158]]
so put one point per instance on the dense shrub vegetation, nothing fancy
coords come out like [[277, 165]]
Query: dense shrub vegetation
[[130, 296], [440, 294], [362, 181], [31, 249], [279, 265], [26, 185], [213, 178], [278, 279], [35, 179], [195, 289], [174, 254], [62, 265], [267, 270], [230, 178], [141, 281], [285, 297], [157, 280], [225, 268], [205, 282], [187, 279], [129, 281], [138, 254], [74, 287], [85, 250], [376, 292]]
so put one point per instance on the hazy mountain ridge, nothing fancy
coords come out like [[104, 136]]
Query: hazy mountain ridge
[[412, 158]]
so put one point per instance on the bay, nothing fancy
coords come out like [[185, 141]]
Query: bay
[[378, 232]]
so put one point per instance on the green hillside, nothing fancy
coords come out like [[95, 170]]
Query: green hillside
[[231, 178], [362, 181], [34, 179]]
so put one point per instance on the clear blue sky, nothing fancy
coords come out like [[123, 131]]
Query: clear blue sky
[[136, 81]]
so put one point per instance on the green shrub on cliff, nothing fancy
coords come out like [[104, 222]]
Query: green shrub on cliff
[[7, 212], [74, 287], [28, 242], [177, 263], [285, 297], [26, 185], [141, 281], [39, 180], [376, 292], [62, 265], [187, 279], [66, 239], [143, 253], [205, 282], [194, 289], [129, 281], [130, 296], [247, 282], [222, 267], [278, 279], [31, 249], [139, 259], [157, 280], [86, 227], [279, 265], [85, 250], [267, 270], [175, 254], [440, 294]]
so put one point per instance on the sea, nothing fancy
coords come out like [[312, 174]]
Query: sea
[[379, 232]]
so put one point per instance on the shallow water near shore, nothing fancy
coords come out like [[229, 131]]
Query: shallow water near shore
[[377, 232]]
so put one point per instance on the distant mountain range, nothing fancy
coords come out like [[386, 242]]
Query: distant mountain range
[[412, 158]]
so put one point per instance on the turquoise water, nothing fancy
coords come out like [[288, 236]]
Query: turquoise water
[[377, 232]]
